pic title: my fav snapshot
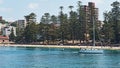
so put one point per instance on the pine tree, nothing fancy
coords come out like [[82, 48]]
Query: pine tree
[[12, 36]]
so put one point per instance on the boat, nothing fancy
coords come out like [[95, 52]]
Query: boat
[[92, 50]]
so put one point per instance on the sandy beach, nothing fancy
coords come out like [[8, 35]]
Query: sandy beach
[[62, 46]]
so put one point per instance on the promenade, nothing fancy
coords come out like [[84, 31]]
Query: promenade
[[62, 46]]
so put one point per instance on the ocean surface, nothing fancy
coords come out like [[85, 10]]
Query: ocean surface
[[26, 57]]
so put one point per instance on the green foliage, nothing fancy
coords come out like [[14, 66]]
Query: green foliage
[[115, 19], [72, 27], [31, 18], [13, 24], [30, 33], [107, 31], [45, 18], [80, 24], [3, 22], [54, 19], [12, 36], [111, 27]]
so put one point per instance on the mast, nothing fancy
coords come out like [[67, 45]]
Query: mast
[[93, 31]]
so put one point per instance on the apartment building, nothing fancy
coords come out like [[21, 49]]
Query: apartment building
[[21, 24], [1, 18], [89, 14]]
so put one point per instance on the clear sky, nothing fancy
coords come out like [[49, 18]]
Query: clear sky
[[12, 10]]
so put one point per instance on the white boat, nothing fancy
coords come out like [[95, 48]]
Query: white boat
[[92, 50]]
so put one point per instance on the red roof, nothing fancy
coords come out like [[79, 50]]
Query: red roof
[[4, 37]]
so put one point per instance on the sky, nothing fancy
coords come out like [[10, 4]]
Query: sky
[[12, 10]]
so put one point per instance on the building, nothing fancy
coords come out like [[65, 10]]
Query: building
[[2, 26], [4, 39], [92, 12], [1, 18], [6, 31], [21, 24], [89, 13]]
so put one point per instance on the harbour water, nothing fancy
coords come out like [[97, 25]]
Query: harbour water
[[26, 57]]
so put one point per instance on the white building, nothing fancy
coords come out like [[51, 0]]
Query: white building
[[6, 31], [2, 26]]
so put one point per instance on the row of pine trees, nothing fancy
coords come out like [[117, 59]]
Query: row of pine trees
[[67, 26]]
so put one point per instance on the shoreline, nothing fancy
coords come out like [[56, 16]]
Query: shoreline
[[63, 46]]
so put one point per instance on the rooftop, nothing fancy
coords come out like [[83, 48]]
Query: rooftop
[[4, 37]]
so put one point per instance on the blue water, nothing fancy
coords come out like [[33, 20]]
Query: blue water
[[24, 57]]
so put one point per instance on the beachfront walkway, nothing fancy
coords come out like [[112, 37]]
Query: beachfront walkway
[[62, 46]]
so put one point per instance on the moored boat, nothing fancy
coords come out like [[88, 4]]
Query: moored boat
[[91, 51]]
